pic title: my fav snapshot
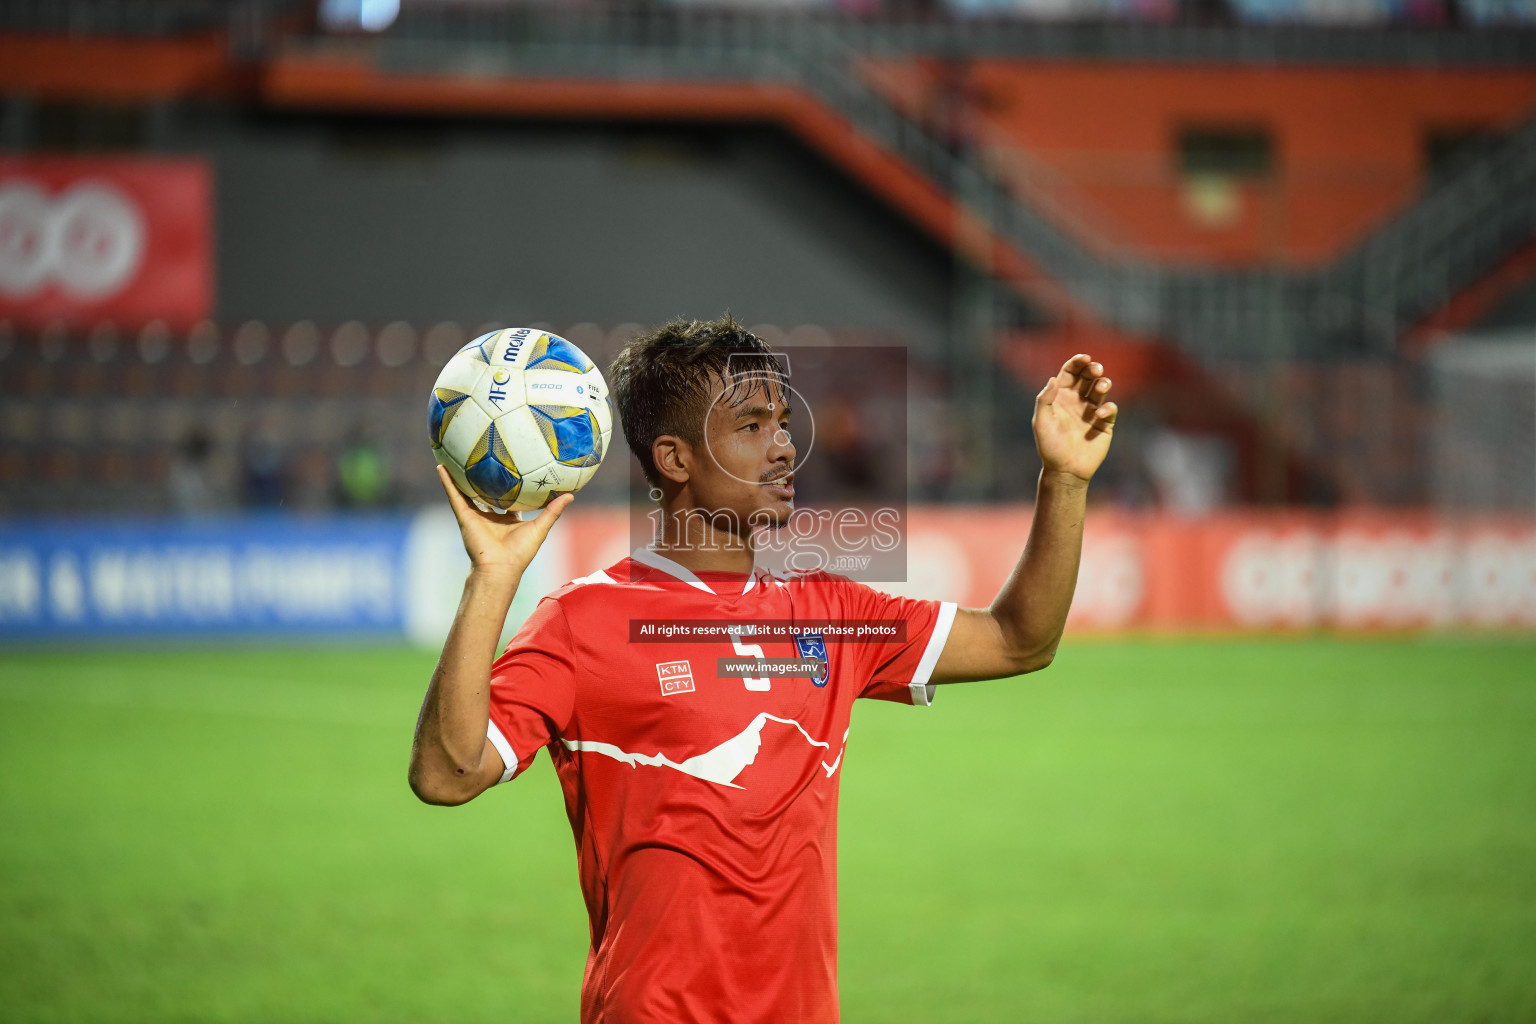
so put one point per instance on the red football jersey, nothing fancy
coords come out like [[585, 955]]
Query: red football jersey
[[704, 808]]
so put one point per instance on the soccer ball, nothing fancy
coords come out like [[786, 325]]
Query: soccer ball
[[519, 416]]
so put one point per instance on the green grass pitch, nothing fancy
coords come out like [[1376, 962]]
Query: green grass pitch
[[1238, 831]]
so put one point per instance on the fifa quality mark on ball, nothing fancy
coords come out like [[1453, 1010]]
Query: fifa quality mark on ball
[[517, 418]]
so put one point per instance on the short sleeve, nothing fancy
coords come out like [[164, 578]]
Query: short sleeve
[[533, 686], [899, 669]]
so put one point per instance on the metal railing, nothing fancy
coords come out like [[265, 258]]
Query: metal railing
[[1397, 274], [1453, 235], [1108, 35], [139, 17]]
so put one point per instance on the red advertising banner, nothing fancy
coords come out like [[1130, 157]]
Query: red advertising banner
[[126, 240], [1238, 571]]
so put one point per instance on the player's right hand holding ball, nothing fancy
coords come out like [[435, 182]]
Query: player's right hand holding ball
[[500, 543]]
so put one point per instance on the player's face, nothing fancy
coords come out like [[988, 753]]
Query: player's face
[[747, 462]]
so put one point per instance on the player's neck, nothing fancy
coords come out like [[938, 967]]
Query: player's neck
[[689, 538]]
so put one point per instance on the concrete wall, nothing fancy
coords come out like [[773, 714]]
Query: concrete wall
[[330, 219]]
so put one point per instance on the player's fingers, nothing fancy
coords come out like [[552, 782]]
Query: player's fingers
[[1104, 416], [455, 496], [1074, 366], [547, 516], [1047, 394], [466, 509], [1071, 369], [1086, 378], [1099, 389]]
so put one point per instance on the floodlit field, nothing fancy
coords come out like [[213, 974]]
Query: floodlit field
[[1150, 831]]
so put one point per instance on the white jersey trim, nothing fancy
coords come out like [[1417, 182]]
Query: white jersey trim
[[649, 556], [596, 577], [720, 764], [922, 689], [508, 758]]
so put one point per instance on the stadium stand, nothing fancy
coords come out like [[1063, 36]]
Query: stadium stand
[[260, 416], [1313, 194]]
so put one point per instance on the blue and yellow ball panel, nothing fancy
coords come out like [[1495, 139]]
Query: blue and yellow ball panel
[[454, 470], [552, 352], [571, 434], [443, 404], [491, 471]]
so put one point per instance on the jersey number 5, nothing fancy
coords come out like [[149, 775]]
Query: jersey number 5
[[749, 651]]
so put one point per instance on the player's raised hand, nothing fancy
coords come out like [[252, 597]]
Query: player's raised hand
[[1073, 422], [500, 542]]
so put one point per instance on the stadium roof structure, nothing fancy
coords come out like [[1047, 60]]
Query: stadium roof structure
[[811, 74]]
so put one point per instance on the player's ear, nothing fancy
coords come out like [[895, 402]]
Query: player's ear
[[671, 455]]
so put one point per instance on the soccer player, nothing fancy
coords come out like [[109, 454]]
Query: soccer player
[[704, 805]]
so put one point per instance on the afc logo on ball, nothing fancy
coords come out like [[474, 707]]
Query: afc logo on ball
[[675, 676], [498, 392]]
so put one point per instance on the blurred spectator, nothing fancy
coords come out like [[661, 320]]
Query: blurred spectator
[[263, 472], [311, 485], [1145, 10], [1025, 8], [936, 454], [1265, 10], [1343, 12], [953, 106], [1212, 12], [193, 492], [1124, 480], [364, 472], [1497, 12], [1426, 13], [915, 10], [1191, 473], [849, 453], [358, 15]]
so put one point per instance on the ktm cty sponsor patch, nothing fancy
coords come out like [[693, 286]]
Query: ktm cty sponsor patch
[[675, 676]]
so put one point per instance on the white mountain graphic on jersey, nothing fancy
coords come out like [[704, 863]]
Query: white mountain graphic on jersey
[[719, 765]]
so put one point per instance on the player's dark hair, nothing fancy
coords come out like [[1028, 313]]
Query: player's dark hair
[[664, 378]]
